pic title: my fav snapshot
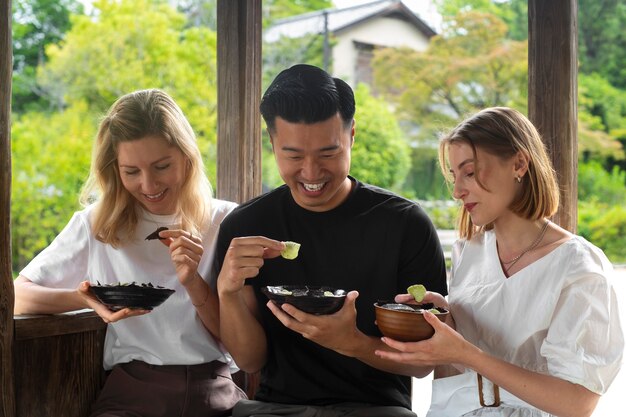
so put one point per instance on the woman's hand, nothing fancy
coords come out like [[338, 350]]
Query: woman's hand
[[186, 252], [107, 315], [430, 297], [446, 346]]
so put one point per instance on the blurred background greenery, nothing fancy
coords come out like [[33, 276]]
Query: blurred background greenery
[[73, 59]]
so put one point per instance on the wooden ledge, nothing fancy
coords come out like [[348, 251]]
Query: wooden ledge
[[33, 326]]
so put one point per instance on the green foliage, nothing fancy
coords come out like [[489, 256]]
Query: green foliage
[[135, 44], [36, 23], [602, 39], [602, 208], [602, 118], [443, 213], [280, 9], [286, 52], [424, 180], [124, 46], [594, 182], [380, 155], [605, 227], [469, 66], [50, 155]]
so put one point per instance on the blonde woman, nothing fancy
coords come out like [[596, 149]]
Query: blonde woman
[[146, 173], [537, 325]]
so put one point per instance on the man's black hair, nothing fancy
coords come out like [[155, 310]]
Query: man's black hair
[[307, 94]]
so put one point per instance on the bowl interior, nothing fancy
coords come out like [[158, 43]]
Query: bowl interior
[[405, 322], [139, 296], [312, 299]]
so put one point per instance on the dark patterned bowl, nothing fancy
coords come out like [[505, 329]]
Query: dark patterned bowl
[[405, 322], [312, 299], [137, 296]]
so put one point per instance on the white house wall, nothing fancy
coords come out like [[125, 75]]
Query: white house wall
[[380, 32]]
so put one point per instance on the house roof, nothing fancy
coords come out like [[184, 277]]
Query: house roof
[[342, 19]]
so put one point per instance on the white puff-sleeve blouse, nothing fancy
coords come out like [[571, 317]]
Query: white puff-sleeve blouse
[[558, 316]]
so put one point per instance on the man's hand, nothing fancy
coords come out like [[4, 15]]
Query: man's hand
[[336, 331], [243, 260]]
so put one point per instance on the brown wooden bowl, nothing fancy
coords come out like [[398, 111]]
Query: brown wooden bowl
[[406, 326]]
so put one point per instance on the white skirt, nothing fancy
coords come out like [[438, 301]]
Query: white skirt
[[458, 396]]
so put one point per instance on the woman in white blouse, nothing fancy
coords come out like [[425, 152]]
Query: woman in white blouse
[[535, 328]]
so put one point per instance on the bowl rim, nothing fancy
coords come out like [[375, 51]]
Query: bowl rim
[[441, 313]]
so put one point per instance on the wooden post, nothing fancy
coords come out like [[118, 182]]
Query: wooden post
[[552, 93], [238, 97], [7, 391]]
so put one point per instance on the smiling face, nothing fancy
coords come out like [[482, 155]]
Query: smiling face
[[314, 161], [488, 203], [153, 172]]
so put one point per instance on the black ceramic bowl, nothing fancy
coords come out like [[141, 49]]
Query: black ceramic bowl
[[313, 299], [138, 296]]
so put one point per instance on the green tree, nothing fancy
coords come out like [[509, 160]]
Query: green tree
[[602, 39], [381, 153], [281, 9], [50, 156], [469, 66], [134, 44], [124, 46], [602, 120], [36, 24], [288, 51]]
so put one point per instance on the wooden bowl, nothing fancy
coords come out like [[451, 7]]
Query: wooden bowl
[[406, 326]]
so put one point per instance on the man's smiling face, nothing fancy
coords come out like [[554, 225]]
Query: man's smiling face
[[314, 161]]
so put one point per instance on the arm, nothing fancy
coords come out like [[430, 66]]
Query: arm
[[242, 333], [186, 252], [339, 332], [31, 298], [548, 393]]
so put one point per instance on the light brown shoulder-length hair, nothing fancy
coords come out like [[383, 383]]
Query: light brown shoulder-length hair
[[132, 117], [503, 132]]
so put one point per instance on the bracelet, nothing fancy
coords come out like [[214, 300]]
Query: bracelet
[[204, 302]]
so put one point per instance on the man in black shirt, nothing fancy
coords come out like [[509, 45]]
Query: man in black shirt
[[354, 236]]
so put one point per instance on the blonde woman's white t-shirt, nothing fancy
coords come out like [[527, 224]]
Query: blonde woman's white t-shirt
[[172, 334]]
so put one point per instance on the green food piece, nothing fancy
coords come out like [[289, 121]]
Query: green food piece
[[291, 250], [418, 292], [328, 294], [434, 311]]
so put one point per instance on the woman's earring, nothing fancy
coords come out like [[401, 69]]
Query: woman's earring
[[519, 179]]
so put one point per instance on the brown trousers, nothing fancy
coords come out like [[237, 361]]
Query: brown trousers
[[250, 408], [137, 389]]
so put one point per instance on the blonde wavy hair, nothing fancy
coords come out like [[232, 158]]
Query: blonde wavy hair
[[132, 117], [503, 132]]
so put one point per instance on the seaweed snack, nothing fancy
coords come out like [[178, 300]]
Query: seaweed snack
[[291, 250], [155, 234]]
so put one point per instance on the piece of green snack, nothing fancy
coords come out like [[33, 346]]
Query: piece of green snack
[[291, 250], [418, 292]]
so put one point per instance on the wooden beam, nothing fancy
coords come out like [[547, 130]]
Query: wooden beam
[[7, 389], [552, 93], [238, 97]]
